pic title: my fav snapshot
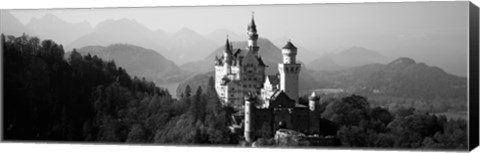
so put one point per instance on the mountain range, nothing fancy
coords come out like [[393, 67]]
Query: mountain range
[[350, 57], [51, 27], [402, 77], [218, 36], [10, 25], [138, 61], [182, 46]]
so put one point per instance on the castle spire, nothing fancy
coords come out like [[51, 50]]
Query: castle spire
[[252, 37], [227, 54], [227, 45], [252, 27]]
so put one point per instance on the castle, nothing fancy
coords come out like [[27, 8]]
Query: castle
[[270, 101]]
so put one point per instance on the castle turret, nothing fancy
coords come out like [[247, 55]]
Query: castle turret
[[313, 100], [249, 99], [252, 37], [289, 71]]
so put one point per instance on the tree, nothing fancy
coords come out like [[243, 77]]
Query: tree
[[188, 91], [137, 134], [265, 131], [349, 111]]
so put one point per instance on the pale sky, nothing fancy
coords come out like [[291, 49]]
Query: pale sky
[[415, 30]]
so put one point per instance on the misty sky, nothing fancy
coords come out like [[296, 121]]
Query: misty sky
[[432, 32]]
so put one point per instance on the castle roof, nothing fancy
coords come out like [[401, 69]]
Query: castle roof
[[228, 47], [274, 80], [313, 96], [252, 27], [260, 62], [290, 46], [297, 105], [225, 80], [238, 52], [280, 99]]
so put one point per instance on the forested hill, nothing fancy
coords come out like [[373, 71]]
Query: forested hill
[[84, 98]]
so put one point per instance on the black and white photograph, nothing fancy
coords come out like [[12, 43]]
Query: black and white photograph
[[387, 76]]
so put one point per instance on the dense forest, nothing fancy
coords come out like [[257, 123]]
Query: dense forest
[[84, 98], [361, 125]]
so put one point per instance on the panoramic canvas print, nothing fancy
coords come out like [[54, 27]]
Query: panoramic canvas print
[[369, 75]]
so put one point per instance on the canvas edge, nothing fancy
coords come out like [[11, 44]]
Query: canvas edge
[[473, 126]]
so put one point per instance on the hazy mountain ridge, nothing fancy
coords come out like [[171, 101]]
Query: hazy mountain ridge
[[182, 46], [138, 61], [119, 31], [189, 45], [218, 36], [52, 27], [402, 77], [351, 57], [10, 25]]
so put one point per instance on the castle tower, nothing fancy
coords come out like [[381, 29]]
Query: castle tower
[[289, 71], [252, 37], [248, 126], [313, 101]]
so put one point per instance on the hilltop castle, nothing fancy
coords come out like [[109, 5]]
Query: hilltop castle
[[270, 101]]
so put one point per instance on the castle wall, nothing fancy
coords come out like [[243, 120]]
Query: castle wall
[[300, 120], [262, 117], [282, 114]]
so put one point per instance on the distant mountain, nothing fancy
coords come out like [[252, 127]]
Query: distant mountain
[[324, 63], [402, 77], [120, 31], [351, 57], [51, 27], [187, 45], [303, 55], [138, 61], [218, 36], [182, 46], [10, 25]]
